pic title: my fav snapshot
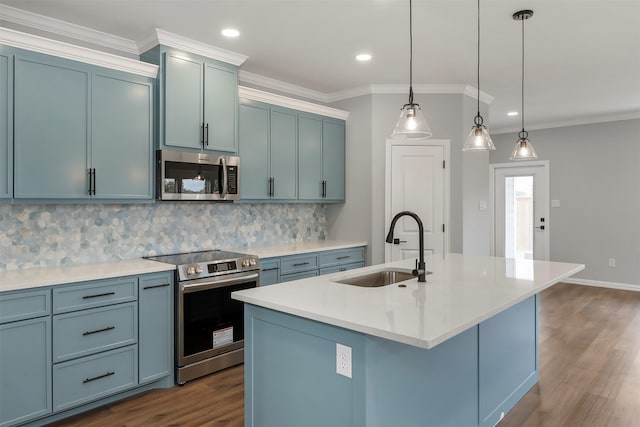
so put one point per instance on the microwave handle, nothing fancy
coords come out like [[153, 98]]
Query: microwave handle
[[223, 190]]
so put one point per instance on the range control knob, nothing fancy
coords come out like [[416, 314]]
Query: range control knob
[[198, 269], [191, 270], [245, 263], [252, 262]]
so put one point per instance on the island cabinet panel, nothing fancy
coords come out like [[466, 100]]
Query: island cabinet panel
[[290, 363], [199, 108], [6, 124], [156, 327], [507, 359], [51, 129], [411, 386], [25, 370]]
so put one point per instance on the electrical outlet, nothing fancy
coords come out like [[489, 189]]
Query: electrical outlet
[[343, 360], [612, 262]]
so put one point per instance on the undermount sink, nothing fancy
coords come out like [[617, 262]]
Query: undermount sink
[[380, 278]]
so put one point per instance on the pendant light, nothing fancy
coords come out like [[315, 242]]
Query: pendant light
[[479, 138], [523, 149], [412, 123]]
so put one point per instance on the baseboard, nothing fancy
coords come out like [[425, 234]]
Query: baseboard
[[603, 284]]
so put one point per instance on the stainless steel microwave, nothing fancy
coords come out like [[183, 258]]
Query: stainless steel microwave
[[185, 175]]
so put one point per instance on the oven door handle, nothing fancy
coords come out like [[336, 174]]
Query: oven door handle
[[203, 284]]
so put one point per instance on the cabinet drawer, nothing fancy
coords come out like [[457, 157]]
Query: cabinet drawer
[[94, 294], [297, 276], [24, 305], [85, 332], [294, 264], [93, 377], [338, 268], [342, 256]]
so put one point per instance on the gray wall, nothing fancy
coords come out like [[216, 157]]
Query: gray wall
[[595, 173], [370, 123]]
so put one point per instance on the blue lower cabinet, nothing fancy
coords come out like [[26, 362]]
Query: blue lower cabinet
[[269, 271], [156, 327], [93, 377], [25, 370]]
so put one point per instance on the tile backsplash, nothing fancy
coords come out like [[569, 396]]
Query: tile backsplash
[[46, 235]]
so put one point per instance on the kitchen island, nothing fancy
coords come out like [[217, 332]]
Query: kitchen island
[[459, 350]]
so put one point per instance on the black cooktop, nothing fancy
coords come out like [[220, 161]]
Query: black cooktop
[[199, 257]]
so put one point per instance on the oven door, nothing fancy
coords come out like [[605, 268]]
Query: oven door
[[209, 322]]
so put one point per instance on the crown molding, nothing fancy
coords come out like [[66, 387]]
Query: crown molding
[[283, 101], [66, 29], [393, 89], [574, 122], [166, 38], [279, 85], [77, 53]]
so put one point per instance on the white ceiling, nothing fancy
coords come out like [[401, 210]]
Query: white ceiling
[[582, 57]]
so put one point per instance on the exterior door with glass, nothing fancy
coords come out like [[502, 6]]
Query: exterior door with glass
[[521, 210]]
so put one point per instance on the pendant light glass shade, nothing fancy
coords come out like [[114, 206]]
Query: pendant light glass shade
[[412, 123], [523, 149], [479, 139]]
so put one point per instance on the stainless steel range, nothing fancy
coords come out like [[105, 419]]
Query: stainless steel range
[[209, 325]]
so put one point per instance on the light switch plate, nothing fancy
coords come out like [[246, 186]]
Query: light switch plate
[[482, 205], [555, 203]]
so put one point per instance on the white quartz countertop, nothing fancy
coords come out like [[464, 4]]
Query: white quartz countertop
[[299, 248], [462, 292], [12, 280]]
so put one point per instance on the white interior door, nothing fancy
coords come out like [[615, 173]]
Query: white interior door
[[521, 210], [416, 183]]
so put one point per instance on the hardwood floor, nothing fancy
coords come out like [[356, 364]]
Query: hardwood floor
[[589, 374]]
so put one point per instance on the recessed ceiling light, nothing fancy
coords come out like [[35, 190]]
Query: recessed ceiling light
[[230, 32], [363, 57], [512, 113]]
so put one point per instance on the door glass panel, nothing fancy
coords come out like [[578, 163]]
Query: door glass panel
[[518, 233]]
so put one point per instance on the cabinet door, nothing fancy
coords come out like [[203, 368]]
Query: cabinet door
[[220, 108], [183, 92], [122, 137], [6, 124], [25, 370], [269, 271], [51, 129], [254, 151], [309, 157], [333, 159], [156, 327], [283, 153]]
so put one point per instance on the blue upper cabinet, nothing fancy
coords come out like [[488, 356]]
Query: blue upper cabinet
[[310, 182], [51, 128], [122, 137], [6, 124], [268, 146], [81, 132], [199, 102], [333, 159]]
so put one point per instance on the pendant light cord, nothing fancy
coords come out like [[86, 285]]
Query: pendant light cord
[[523, 19], [410, 55], [478, 74]]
